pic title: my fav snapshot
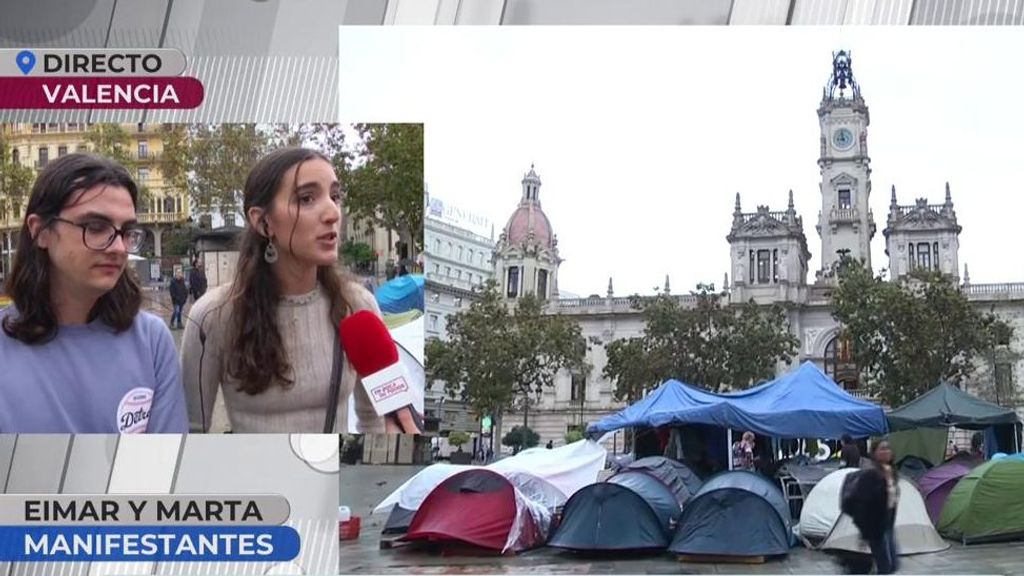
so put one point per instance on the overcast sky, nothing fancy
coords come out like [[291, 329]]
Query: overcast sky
[[643, 136]]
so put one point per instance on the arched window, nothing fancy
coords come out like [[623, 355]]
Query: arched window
[[839, 364]]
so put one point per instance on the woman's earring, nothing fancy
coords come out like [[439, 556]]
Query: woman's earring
[[270, 253]]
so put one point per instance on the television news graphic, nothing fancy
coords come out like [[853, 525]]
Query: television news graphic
[[374, 355], [47, 78], [87, 528]]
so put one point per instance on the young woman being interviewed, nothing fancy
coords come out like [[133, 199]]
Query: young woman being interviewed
[[269, 339]]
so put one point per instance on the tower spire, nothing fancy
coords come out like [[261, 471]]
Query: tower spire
[[611, 292], [531, 187], [668, 289], [892, 201], [791, 206], [842, 77], [949, 197]]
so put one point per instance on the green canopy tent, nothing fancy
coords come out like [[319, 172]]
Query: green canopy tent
[[946, 405], [987, 504]]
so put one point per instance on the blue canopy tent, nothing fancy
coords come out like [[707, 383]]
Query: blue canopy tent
[[401, 294], [671, 403], [804, 403]]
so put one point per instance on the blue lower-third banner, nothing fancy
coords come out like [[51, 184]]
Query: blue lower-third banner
[[148, 543]]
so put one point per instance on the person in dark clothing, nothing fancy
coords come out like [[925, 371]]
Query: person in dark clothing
[[179, 295], [870, 497], [197, 281], [851, 453], [978, 446], [551, 444]]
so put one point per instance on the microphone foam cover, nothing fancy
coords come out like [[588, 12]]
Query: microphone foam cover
[[367, 342]]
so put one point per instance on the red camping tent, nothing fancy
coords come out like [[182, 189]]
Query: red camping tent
[[482, 508]]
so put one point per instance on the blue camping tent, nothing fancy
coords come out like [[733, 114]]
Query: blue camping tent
[[401, 294], [735, 513], [804, 403], [671, 403]]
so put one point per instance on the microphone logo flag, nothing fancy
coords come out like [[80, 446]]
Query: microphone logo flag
[[389, 389]]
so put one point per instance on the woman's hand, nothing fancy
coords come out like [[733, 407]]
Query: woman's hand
[[403, 421]]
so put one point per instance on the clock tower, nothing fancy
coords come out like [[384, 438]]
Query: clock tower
[[845, 223]]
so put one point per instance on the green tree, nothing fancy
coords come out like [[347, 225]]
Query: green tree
[[457, 438], [520, 438], [15, 179], [497, 358], [112, 141], [573, 436], [385, 183], [177, 241], [700, 341], [907, 336], [175, 160], [211, 162], [357, 255]]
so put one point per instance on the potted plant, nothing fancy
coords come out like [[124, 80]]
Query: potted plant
[[457, 438]]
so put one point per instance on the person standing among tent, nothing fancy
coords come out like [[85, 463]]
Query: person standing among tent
[[978, 446], [871, 497], [851, 453], [551, 444], [885, 556], [743, 453]]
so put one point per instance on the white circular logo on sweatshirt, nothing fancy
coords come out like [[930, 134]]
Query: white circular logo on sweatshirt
[[133, 410]]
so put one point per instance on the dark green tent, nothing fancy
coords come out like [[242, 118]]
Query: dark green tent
[[946, 405], [987, 504]]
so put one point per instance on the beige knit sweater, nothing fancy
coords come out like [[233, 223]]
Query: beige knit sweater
[[309, 340]]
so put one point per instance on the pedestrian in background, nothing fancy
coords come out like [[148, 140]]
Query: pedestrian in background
[[179, 295], [851, 453], [197, 281]]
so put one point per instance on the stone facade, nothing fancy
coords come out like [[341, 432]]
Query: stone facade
[[457, 260], [769, 263]]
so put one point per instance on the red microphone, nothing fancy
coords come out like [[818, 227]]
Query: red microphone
[[372, 351]]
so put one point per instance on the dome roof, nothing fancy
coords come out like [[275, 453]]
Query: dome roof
[[528, 217]]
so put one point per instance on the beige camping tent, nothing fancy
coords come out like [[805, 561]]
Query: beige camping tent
[[824, 527]]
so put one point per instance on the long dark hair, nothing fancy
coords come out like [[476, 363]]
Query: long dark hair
[[257, 358], [29, 282]]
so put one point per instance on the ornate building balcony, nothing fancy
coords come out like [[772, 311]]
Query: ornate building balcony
[[450, 281], [991, 292], [843, 215], [163, 218]]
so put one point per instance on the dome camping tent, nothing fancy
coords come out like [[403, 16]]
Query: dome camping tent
[[636, 509], [987, 504], [564, 470], [482, 508], [824, 526], [735, 513], [937, 483]]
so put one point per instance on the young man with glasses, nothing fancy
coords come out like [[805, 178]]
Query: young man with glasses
[[76, 353]]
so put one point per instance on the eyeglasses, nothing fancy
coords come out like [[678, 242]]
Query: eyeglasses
[[99, 235]]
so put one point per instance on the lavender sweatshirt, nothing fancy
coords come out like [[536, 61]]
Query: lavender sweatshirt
[[89, 379]]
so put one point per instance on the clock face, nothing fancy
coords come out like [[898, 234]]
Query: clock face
[[842, 139]]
